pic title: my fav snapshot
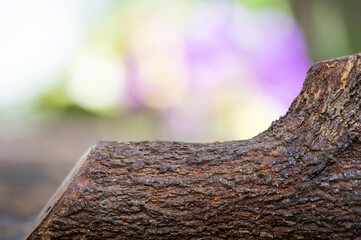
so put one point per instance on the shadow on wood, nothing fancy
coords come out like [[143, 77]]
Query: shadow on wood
[[300, 179]]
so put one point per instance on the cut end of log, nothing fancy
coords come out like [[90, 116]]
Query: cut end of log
[[299, 179]]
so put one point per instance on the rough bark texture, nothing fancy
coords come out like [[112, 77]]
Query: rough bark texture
[[300, 179]]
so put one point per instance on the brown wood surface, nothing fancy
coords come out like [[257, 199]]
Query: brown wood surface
[[300, 179]]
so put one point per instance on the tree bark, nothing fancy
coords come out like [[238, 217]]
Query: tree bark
[[299, 179]]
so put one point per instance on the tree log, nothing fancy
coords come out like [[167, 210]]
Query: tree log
[[299, 179]]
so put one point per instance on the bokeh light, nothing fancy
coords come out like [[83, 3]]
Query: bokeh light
[[207, 69]]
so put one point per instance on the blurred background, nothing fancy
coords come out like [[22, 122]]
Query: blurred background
[[76, 72]]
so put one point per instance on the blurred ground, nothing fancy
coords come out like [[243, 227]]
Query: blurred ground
[[33, 166]]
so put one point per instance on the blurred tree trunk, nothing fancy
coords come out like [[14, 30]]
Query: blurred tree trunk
[[331, 27], [300, 179]]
